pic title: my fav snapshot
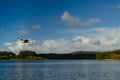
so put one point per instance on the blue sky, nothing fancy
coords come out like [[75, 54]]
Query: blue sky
[[45, 20]]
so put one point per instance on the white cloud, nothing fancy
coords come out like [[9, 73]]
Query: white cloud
[[106, 39], [90, 21], [23, 32], [76, 31], [118, 6], [75, 21], [29, 30], [70, 20], [36, 27], [8, 43], [19, 45]]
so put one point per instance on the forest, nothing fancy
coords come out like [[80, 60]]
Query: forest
[[32, 55], [73, 55], [108, 55]]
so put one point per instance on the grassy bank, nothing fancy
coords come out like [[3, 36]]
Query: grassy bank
[[108, 55]]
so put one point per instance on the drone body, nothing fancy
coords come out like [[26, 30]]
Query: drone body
[[26, 40]]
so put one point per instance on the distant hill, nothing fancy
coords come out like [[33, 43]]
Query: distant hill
[[73, 55], [84, 52]]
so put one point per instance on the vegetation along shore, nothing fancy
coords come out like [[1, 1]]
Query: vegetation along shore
[[32, 55]]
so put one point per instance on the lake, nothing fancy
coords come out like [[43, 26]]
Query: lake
[[60, 70]]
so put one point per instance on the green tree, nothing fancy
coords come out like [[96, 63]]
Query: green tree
[[7, 55], [25, 54]]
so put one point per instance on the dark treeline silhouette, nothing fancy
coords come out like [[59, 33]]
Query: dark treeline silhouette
[[73, 55], [28, 55], [32, 55], [4, 55], [23, 55]]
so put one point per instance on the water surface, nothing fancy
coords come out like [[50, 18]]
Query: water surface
[[60, 70]]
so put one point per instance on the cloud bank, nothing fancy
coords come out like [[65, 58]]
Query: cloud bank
[[75, 21], [106, 39]]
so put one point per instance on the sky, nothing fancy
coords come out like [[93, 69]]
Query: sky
[[60, 26]]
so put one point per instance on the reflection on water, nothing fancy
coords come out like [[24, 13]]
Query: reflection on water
[[60, 70]]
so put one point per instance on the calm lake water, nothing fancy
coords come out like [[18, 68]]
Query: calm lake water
[[60, 70]]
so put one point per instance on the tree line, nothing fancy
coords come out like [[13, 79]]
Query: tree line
[[23, 55], [32, 55], [108, 55]]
